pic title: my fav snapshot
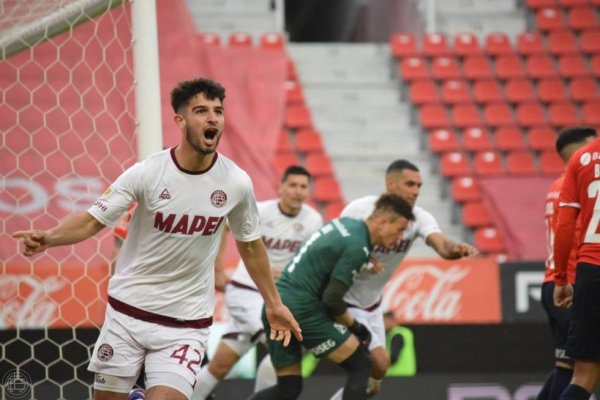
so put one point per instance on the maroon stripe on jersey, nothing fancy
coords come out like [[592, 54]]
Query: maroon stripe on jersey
[[187, 171], [370, 308], [242, 286], [148, 316]]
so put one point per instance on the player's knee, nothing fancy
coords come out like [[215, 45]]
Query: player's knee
[[359, 364], [289, 387]]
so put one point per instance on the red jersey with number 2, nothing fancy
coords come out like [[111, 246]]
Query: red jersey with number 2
[[581, 189]]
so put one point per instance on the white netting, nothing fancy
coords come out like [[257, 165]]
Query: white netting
[[67, 128]]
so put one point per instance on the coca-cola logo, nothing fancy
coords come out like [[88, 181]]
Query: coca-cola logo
[[425, 292], [26, 300]]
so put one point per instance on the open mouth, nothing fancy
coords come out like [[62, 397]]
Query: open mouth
[[210, 133]]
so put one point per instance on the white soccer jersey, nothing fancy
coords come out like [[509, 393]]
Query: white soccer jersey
[[282, 234], [166, 263], [367, 288]]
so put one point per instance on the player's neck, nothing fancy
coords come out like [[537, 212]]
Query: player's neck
[[287, 211], [192, 160]]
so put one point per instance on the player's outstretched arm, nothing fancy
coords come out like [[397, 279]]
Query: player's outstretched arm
[[283, 324], [72, 230], [449, 249]]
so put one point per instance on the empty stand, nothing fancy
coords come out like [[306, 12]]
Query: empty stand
[[551, 90], [530, 114], [465, 115], [562, 42], [498, 114], [475, 215], [465, 189], [435, 44], [433, 116], [443, 140], [424, 92], [562, 114], [209, 39], [455, 164], [445, 68], [509, 67], [466, 44], [293, 92], [272, 41], [327, 190], [309, 141], [297, 116], [477, 139], [455, 91], [477, 67], [487, 91], [240, 40], [510, 138], [529, 43], [541, 139], [580, 18], [319, 165], [488, 240], [540, 66], [549, 19], [497, 44], [403, 44], [520, 163], [551, 163], [488, 163], [584, 89], [519, 91], [413, 68]]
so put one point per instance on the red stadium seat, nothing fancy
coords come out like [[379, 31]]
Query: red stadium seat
[[589, 41], [454, 165], [591, 113], [476, 215], [309, 141], [509, 138], [291, 74], [209, 39], [466, 44], [549, 19], [552, 89], [455, 91], [477, 139], [487, 91], [297, 116], [333, 210], [488, 163], [580, 18], [551, 163], [497, 44], [424, 92], [498, 114], [519, 91], [465, 189], [240, 40], [403, 44], [284, 160], [443, 140], [534, 4], [529, 43], [540, 66], [530, 114], [572, 66], [319, 164], [520, 163], [445, 68], [595, 65], [435, 45], [327, 190], [562, 42], [465, 115], [284, 144], [573, 3], [584, 89], [272, 41], [293, 92], [433, 116], [562, 114], [413, 68], [477, 67], [541, 139], [488, 240], [509, 67]]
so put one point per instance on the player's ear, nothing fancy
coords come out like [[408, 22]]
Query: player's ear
[[179, 120]]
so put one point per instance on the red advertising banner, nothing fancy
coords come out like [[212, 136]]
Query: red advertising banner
[[435, 291]]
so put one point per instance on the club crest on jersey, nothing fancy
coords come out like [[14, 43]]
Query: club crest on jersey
[[165, 195], [105, 352], [218, 198]]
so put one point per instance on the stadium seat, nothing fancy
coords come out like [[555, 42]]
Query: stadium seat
[[209, 39], [519, 91], [443, 140], [465, 189], [553, 89], [403, 44], [477, 139], [572, 66], [240, 40], [488, 241], [455, 91], [530, 43], [477, 67], [445, 68], [433, 116], [466, 44], [297, 116], [435, 45], [498, 114], [291, 73], [455, 164], [520, 163], [580, 18], [327, 190], [487, 91], [284, 160], [541, 139], [284, 145], [589, 41], [530, 114], [584, 89], [413, 68], [562, 42], [423, 92], [497, 44], [319, 164], [333, 210], [509, 67], [562, 114], [595, 65], [475, 215], [573, 3], [293, 92], [551, 164], [591, 113], [549, 19], [535, 4], [309, 141], [488, 163], [465, 115], [272, 41], [509, 138], [540, 66]]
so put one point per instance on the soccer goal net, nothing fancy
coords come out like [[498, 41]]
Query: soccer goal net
[[67, 123]]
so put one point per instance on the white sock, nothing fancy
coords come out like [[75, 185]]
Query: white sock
[[338, 395], [205, 384], [265, 375]]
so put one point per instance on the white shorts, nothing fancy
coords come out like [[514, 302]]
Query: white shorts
[[246, 327], [373, 320], [126, 343]]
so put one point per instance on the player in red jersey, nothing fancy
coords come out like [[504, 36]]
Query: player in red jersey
[[568, 141], [580, 194]]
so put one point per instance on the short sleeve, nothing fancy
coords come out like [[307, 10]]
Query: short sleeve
[[427, 224], [244, 219], [568, 193]]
